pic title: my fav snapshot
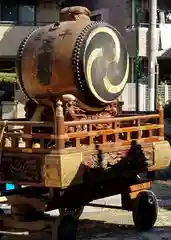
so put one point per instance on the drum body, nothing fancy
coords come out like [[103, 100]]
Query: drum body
[[76, 56]]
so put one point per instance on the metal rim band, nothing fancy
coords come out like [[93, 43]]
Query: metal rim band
[[19, 62]]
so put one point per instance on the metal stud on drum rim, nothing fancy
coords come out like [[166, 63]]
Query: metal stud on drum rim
[[76, 213], [145, 210]]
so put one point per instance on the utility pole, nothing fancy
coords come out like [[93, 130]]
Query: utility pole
[[137, 58], [152, 54]]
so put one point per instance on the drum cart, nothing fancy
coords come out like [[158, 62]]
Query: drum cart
[[89, 168]]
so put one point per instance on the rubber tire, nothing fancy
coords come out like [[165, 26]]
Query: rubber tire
[[76, 213], [1, 222], [67, 228], [145, 210]]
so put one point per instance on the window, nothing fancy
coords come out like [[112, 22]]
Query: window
[[143, 69], [144, 12], [131, 70], [144, 66], [9, 13], [26, 14], [167, 16], [22, 14], [101, 14], [97, 17]]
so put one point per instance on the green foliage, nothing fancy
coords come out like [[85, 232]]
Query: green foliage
[[8, 77]]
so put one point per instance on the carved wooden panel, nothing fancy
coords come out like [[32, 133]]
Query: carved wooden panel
[[134, 157], [21, 167], [63, 170]]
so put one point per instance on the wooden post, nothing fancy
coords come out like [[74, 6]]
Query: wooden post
[[59, 125], [161, 118]]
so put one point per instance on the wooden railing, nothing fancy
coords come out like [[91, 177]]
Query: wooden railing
[[123, 129], [119, 130], [21, 134]]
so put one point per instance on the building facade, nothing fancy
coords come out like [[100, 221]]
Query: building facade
[[130, 17], [17, 20]]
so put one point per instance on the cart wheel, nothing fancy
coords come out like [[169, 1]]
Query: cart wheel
[[76, 213], [145, 210], [1, 221], [65, 228]]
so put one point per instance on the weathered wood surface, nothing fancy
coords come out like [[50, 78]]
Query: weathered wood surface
[[46, 159]]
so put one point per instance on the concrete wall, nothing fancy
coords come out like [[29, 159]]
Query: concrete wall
[[130, 38], [11, 37], [119, 11], [143, 41], [47, 13]]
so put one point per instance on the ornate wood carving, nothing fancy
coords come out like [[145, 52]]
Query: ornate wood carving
[[135, 157], [21, 168], [74, 112]]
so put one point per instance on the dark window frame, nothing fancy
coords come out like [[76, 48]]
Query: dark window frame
[[3, 12], [26, 23], [96, 17], [17, 22]]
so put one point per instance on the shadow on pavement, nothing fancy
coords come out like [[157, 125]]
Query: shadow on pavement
[[162, 190], [102, 230], [92, 229]]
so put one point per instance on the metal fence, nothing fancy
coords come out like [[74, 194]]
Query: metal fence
[[129, 96]]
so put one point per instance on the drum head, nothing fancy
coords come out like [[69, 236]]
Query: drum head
[[101, 64]]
